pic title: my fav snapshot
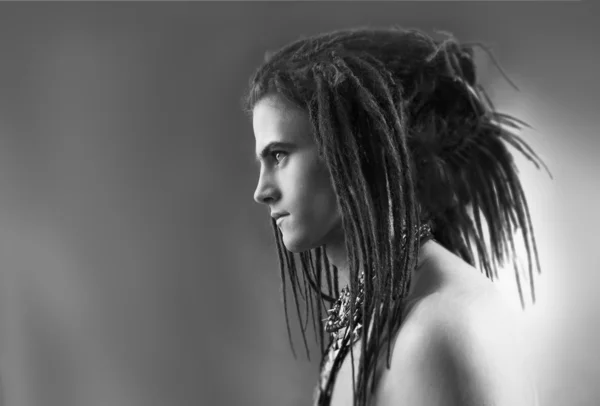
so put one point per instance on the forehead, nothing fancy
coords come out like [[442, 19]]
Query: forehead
[[275, 119]]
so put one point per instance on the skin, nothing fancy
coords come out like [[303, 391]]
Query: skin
[[460, 344]]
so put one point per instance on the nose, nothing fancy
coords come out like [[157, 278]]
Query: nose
[[266, 191]]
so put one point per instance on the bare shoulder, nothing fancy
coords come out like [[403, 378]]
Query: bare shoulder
[[448, 289], [461, 344]]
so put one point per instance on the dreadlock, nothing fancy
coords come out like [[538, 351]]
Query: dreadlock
[[409, 137]]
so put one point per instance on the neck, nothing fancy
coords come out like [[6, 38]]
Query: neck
[[336, 254]]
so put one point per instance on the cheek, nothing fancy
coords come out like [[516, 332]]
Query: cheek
[[313, 195], [323, 199]]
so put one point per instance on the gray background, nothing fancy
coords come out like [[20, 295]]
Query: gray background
[[136, 268]]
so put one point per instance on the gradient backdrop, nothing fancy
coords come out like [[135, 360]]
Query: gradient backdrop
[[135, 268]]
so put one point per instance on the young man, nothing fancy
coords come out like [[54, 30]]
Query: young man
[[378, 154]]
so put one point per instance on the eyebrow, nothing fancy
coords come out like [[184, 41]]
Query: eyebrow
[[273, 146]]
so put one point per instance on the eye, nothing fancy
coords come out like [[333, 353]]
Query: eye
[[275, 154]]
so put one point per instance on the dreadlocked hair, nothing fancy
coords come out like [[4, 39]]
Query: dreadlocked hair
[[409, 137]]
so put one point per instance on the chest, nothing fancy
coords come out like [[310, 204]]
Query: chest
[[342, 390]]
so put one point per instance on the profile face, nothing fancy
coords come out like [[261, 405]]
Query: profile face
[[293, 179]]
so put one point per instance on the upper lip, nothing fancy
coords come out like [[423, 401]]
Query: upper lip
[[277, 215]]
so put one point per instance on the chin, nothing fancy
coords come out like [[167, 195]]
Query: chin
[[296, 245]]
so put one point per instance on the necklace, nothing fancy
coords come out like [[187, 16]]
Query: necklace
[[339, 314], [337, 324]]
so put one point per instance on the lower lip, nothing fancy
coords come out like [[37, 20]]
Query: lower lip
[[279, 220]]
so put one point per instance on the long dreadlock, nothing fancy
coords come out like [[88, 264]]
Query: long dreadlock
[[409, 137]]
